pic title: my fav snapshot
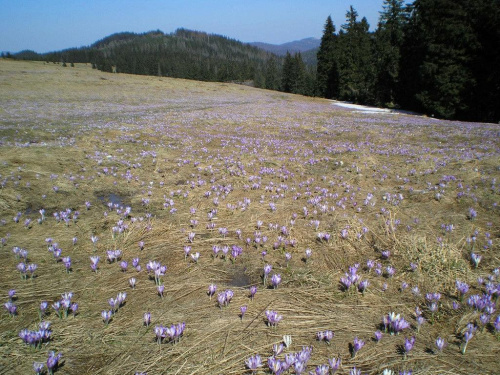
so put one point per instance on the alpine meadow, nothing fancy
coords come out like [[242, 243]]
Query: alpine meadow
[[188, 204]]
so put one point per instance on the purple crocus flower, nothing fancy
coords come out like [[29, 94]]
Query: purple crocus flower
[[409, 344], [11, 308], [335, 364], [243, 310], [273, 318], [475, 258], [74, 308], [357, 344], [67, 263], [274, 365], [325, 336], [53, 361], [253, 363], [276, 280], [132, 281], [106, 316], [322, 370], [267, 269], [308, 253], [278, 349], [253, 291], [377, 336], [94, 260], [496, 324], [390, 271], [12, 294], [440, 344], [363, 285], [212, 288], [221, 299], [38, 367], [160, 289], [124, 265], [147, 319]]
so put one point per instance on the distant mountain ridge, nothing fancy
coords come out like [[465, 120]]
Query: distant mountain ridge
[[295, 46]]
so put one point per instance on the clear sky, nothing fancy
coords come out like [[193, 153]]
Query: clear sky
[[49, 25]]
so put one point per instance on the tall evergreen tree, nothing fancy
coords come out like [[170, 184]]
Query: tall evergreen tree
[[388, 42], [442, 34], [355, 61], [299, 71], [327, 70], [288, 74], [272, 77], [484, 97]]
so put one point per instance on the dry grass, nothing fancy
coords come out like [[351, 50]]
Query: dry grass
[[98, 136]]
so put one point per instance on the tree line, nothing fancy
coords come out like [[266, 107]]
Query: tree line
[[439, 57]]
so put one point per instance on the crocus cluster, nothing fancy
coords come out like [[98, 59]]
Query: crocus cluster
[[273, 318], [173, 333], [113, 255], [64, 306], [432, 301], [394, 323], [275, 280], [351, 278], [156, 270], [325, 336], [27, 269], [253, 363], [117, 302], [38, 337], [225, 297], [296, 361], [236, 251], [55, 250]]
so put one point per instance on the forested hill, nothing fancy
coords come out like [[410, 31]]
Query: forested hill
[[302, 46], [182, 54]]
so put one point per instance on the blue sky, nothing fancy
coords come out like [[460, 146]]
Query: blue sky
[[48, 25]]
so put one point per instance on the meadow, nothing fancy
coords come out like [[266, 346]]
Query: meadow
[[166, 226]]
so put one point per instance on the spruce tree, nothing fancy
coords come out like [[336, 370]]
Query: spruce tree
[[355, 60], [440, 48], [287, 77], [388, 42], [327, 71], [299, 85], [272, 78]]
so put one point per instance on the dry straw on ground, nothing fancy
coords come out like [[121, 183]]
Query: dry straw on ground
[[75, 135]]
